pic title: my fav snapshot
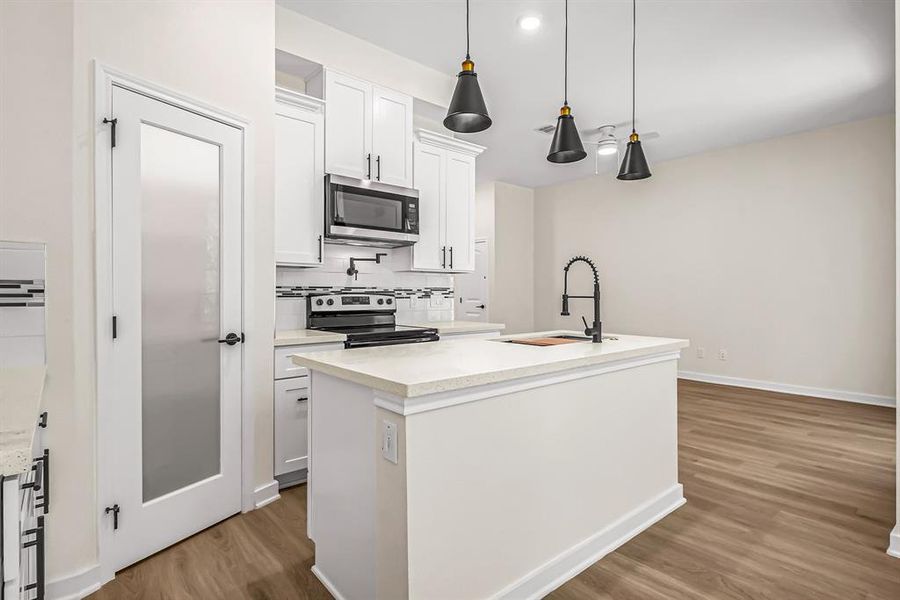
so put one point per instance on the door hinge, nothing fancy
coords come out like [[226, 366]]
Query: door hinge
[[112, 130], [115, 326], [114, 509]]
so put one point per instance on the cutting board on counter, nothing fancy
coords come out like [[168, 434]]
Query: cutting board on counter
[[545, 341]]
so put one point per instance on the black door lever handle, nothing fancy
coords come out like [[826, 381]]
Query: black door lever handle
[[232, 338]]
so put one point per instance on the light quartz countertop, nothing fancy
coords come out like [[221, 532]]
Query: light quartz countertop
[[301, 337], [21, 390], [451, 327], [410, 370]]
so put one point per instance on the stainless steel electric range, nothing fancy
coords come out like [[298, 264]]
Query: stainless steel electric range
[[366, 319]]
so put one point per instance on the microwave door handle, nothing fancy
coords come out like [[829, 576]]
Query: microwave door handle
[[338, 207]]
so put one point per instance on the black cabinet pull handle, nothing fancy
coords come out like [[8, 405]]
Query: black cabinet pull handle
[[451, 257], [232, 338], [320, 248], [302, 398], [481, 306], [378, 167], [444, 257], [369, 168]]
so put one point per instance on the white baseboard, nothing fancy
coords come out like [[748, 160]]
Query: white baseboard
[[786, 388], [75, 586], [573, 561], [327, 583], [265, 494], [894, 548]]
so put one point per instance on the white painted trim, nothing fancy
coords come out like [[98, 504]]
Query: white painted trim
[[573, 561], [327, 583], [299, 100], [450, 143], [787, 388], [265, 494], [894, 548], [411, 406], [104, 79], [76, 585]]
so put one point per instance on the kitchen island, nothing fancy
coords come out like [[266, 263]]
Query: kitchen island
[[478, 468]]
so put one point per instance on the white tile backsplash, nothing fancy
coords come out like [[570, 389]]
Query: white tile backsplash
[[290, 313], [22, 304]]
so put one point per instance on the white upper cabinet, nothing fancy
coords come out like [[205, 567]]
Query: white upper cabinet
[[460, 211], [299, 179], [428, 179], [444, 174], [348, 143], [369, 131]]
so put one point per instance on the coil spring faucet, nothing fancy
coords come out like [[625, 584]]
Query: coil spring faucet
[[595, 331]]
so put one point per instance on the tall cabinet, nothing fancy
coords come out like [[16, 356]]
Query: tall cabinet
[[369, 129], [299, 179], [444, 174]]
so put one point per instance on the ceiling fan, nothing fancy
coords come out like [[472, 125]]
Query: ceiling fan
[[605, 142]]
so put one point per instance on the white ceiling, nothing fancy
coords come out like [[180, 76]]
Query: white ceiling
[[710, 73]]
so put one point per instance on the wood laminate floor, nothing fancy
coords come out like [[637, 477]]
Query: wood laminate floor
[[789, 498]]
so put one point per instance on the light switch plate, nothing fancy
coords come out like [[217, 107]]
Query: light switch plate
[[389, 441]]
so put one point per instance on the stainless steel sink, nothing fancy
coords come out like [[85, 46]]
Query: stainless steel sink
[[579, 338]]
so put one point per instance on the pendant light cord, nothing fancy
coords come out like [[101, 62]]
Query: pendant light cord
[[566, 60], [467, 29], [633, 62]]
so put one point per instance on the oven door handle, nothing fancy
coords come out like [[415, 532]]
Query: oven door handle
[[394, 342]]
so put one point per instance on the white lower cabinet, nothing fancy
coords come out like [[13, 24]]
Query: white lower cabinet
[[24, 500], [291, 413], [291, 417], [444, 174]]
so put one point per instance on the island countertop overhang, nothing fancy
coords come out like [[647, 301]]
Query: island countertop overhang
[[414, 370]]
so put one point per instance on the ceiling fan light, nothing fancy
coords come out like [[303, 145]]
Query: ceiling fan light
[[566, 146], [607, 147], [634, 165], [468, 112]]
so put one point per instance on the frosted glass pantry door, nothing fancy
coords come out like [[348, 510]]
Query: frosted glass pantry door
[[176, 293]]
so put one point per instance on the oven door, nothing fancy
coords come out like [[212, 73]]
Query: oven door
[[370, 213]]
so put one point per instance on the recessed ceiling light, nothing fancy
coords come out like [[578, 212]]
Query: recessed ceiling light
[[529, 23]]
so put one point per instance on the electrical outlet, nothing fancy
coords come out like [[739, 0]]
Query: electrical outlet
[[389, 441], [701, 352], [723, 354]]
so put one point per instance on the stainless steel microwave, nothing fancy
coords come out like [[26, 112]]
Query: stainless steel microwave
[[370, 213]]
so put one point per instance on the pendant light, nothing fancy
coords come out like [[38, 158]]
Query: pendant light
[[566, 145], [634, 165], [467, 112]]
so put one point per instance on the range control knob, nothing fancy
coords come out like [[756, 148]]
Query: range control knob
[[330, 301], [319, 302], [389, 301]]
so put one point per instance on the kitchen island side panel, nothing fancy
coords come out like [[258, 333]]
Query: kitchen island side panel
[[503, 487]]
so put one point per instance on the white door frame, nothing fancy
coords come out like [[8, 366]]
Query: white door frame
[[104, 79]]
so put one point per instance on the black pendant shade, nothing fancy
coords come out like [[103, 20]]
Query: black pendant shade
[[467, 112], [566, 146], [634, 165]]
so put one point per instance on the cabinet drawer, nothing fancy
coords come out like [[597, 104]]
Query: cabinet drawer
[[284, 366], [291, 418]]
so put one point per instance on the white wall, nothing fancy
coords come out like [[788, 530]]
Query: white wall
[[218, 52], [504, 216], [301, 36], [780, 252]]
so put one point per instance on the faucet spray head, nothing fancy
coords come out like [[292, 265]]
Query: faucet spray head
[[565, 306]]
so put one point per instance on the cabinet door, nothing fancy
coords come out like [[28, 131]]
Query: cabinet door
[[348, 133], [460, 211], [291, 414], [429, 180], [299, 185], [392, 138]]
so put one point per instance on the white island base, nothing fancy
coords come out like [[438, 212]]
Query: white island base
[[507, 484]]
